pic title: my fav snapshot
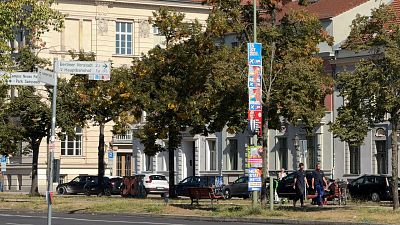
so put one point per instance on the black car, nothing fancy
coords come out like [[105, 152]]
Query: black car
[[239, 188], [116, 184], [371, 187], [285, 186], [93, 187], [181, 189], [75, 186]]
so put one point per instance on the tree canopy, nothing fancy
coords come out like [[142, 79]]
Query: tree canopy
[[373, 89]]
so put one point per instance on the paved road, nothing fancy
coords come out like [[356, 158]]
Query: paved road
[[15, 218]]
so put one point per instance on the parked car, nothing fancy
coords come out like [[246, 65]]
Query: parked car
[[181, 189], [116, 184], [285, 186], [371, 187], [239, 188], [155, 184], [93, 187], [75, 186]]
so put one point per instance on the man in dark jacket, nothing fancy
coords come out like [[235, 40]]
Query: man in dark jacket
[[300, 183], [319, 183]]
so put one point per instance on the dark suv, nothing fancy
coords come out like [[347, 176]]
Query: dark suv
[[181, 189], [371, 187], [75, 186]]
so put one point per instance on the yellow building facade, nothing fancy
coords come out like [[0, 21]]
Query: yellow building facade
[[116, 31]]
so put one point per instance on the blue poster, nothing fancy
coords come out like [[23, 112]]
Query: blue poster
[[3, 158], [254, 54], [255, 179]]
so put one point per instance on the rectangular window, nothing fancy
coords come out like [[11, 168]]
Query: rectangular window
[[283, 152], [233, 154], [354, 159], [124, 164], [149, 163], [381, 157], [311, 153], [212, 149], [123, 38], [72, 146]]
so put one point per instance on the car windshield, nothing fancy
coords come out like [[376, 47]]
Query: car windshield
[[76, 179], [157, 177]]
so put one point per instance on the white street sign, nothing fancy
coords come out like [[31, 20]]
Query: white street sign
[[22, 78], [47, 77], [83, 67]]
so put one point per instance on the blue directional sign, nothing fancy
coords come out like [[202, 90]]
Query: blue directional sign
[[254, 54], [3, 158]]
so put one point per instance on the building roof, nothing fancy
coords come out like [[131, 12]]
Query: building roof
[[324, 9]]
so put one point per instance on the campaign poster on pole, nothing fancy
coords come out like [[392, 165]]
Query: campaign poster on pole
[[255, 182], [255, 121], [254, 156]]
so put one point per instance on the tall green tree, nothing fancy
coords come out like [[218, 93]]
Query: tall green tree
[[101, 102], [191, 85], [294, 81], [30, 19], [373, 89]]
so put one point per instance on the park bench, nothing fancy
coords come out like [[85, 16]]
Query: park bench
[[196, 193]]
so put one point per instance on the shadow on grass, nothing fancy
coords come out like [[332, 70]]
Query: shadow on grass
[[206, 206], [76, 210]]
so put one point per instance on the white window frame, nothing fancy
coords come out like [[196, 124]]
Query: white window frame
[[119, 46], [148, 162], [235, 152], [76, 148], [209, 164]]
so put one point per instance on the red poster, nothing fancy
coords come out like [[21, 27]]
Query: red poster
[[255, 121]]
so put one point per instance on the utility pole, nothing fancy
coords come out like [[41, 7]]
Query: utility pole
[[255, 137], [51, 149]]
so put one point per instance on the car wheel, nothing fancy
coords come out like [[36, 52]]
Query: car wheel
[[107, 192], [227, 194], [62, 191], [375, 197], [87, 192]]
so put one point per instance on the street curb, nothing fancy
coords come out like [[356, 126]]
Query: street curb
[[253, 220]]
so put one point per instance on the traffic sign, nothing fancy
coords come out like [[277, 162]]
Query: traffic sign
[[83, 67], [21, 78], [110, 154], [47, 77]]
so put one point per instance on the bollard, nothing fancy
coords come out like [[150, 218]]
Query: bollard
[[271, 193], [166, 198]]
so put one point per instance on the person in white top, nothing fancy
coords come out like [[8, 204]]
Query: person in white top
[[282, 174]]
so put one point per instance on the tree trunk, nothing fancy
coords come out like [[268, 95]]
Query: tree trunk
[[173, 142], [34, 185], [101, 160], [264, 190], [395, 163]]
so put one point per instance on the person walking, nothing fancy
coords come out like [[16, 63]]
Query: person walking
[[1, 181], [300, 182], [319, 183]]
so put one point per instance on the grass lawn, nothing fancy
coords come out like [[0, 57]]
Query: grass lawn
[[354, 212]]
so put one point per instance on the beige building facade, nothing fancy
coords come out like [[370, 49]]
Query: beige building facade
[[116, 31]]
